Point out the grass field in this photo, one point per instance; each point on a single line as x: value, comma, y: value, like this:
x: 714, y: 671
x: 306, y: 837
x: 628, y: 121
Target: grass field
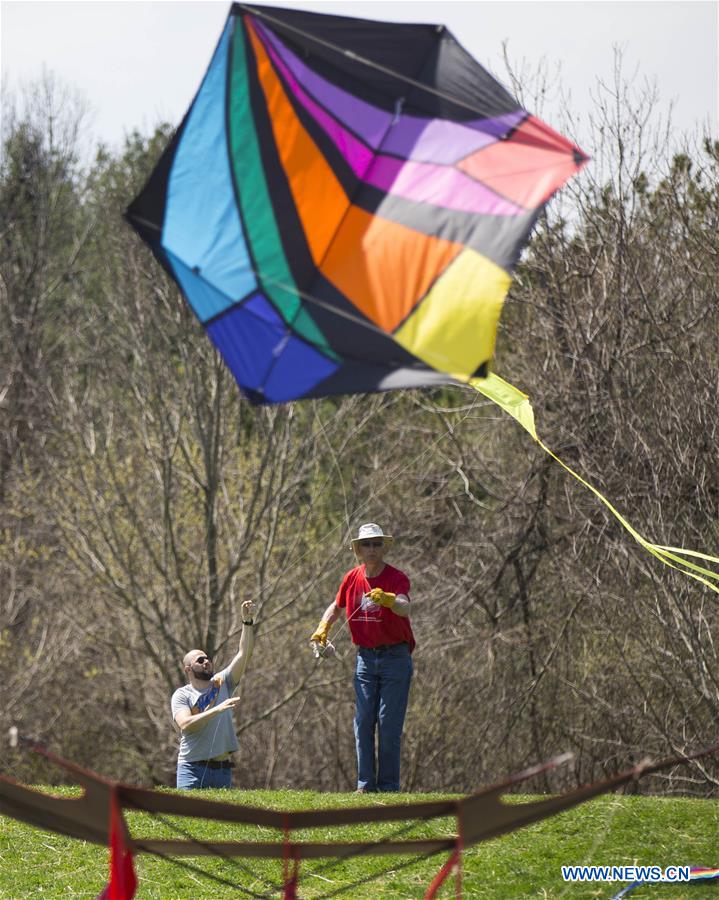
x: 610, y: 830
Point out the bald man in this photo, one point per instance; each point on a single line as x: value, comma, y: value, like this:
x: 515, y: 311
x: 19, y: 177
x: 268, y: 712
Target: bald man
x: 202, y: 711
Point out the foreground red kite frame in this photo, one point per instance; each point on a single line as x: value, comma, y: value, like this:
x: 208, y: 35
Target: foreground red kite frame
x: 97, y: 817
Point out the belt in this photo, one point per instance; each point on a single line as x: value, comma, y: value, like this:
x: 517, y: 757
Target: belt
x: 214, y: 763
x: 380, y: 648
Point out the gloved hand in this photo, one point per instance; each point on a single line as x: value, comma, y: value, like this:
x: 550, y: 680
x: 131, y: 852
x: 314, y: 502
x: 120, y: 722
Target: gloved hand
x: 320, y: 635
x: 382, y: 598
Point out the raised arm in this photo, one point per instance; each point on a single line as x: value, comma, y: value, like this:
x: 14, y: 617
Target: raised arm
x: 247, y: 640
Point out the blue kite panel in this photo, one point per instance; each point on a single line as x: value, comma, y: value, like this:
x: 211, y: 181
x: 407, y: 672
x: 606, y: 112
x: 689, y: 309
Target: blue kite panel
x: 202, y: 225
x: 298, y: 369
x: 264, y: 356
x: 205, y: 300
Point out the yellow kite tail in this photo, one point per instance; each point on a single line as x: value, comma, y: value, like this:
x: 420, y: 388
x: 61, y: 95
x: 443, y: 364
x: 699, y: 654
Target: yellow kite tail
x: 518, y: 405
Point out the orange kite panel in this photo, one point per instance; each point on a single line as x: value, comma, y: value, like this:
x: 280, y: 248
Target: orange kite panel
x: 382, y: 267
x: 319, y: 197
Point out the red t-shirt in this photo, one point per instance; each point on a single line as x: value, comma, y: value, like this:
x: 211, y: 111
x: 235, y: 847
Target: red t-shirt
x: 372, y: 625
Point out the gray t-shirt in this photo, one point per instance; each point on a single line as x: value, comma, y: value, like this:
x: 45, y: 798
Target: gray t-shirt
x: 217, y: 735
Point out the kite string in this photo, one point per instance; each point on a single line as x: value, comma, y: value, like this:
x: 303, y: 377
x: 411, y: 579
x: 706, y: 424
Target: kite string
x: 214, y: 735
x: 397, y: 867
x: 288, y: 569
x: 358, y: 607
x: 318, y: 544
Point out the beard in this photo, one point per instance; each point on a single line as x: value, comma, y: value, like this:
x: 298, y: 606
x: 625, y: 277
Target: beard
x: 203, y: 674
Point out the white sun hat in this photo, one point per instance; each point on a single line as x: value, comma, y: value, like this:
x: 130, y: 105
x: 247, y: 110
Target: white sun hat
x: 369, y: 531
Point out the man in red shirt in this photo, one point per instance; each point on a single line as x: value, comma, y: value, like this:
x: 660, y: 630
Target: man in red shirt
x: 375, y: 597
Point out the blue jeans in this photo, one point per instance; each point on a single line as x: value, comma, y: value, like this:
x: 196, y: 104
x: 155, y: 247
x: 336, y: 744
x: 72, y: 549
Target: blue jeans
x: 382, y: 679
x: 192, y: 775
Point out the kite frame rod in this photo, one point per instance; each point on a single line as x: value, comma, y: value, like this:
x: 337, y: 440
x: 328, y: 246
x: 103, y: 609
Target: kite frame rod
x: 298, y: 849
x: 480, y: 816
x: 255, y: 11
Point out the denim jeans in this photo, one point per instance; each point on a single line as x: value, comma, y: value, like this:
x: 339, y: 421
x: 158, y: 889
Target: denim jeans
x: 382, y: 679
x: 192, y: 775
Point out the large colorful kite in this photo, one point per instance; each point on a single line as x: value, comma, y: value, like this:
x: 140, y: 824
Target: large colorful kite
x: 342, y: 207
x: 344, y: 202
